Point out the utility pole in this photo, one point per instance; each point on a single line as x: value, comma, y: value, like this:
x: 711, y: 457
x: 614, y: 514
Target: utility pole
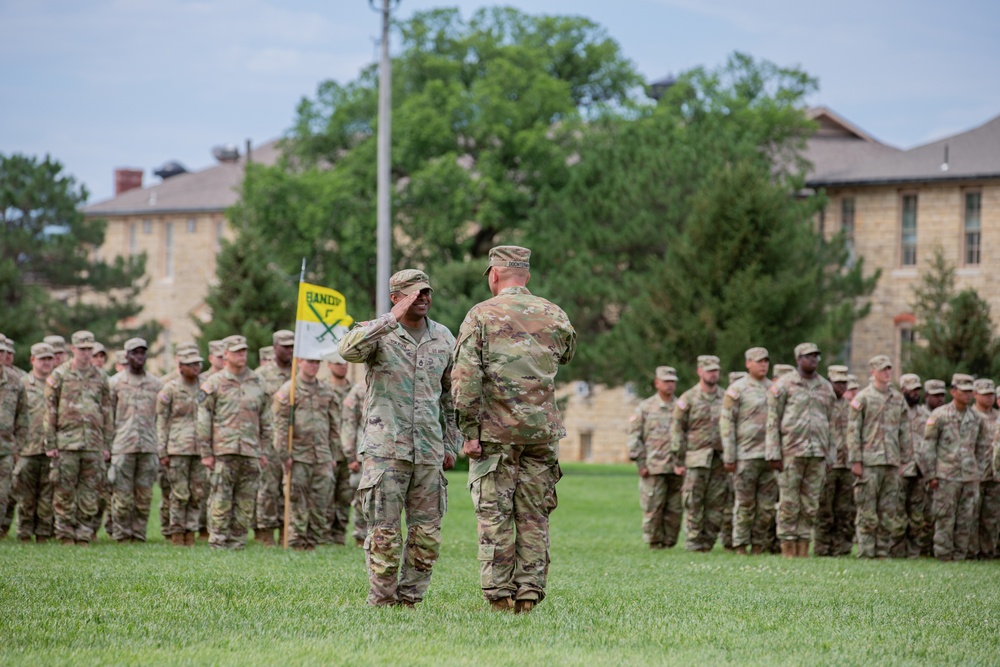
x: 383, y: 259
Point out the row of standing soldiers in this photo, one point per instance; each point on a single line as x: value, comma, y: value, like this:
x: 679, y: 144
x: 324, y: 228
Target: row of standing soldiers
x: 77, y: 445
x: 772, y: 464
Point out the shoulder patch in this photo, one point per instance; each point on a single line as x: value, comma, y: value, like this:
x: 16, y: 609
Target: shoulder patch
x: 203, y: 392
x: 931, y: 421
x: 633, y: 418
x: 281, y: 396
x: 51, y: 381
x: 775, y: 389
x: 163, y: 397
x: 732, y: 393
x: 682, y: 404
x: 855, y: 404
x: 206, y: 388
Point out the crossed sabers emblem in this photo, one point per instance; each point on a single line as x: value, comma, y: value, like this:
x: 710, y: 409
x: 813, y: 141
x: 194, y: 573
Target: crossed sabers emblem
x: 327, y: 328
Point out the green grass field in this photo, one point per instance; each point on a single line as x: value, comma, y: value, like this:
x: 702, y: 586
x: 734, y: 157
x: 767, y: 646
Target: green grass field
x: 611, y: 601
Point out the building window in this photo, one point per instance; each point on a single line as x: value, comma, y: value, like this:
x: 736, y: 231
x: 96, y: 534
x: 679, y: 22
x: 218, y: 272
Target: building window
x: 908, y: 238
x: 907, y: 337
x: 847, y: 226
x: 973, y: 228
x: 192, y: 225
x: 133, y: 242
x: 168, y: 250
x: 586, y: 446
x: 147, y: 226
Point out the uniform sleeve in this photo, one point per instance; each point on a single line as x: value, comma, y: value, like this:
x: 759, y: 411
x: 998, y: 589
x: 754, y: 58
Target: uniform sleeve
x: 855, y: 425
x: 206, y: 418
x: 108, y: 406
x: 280, y: 411
x: 334, y: 415
x: 467, y: 378
x: 21, y: 418
x: 728, y: 416
x: 996, y: 450
x: 932, y: 431
x: 679, y: 439
x: 53, y: 387
x: 983, y: 446
x: 570, y: 342
x: 636, y: 445
x: 267, y: 430
x: 905, y: 437
x: 361, y: 342
x: 776, y: 398
x: 164, y: 406
x: 453, y: 439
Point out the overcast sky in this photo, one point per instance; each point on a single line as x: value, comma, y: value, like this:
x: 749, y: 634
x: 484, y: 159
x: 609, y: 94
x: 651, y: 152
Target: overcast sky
x: 109, y: 83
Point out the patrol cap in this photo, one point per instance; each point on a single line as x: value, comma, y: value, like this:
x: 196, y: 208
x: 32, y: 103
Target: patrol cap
x: 266, y: 353
x: 58, y: 343
x: 100, y: 349
x: 934, y: 387
x: 3, y: 344
x: 83, y: 339
x: 756, y: 354
x: 283, y: 337
x: 879, y: 362
x: 984, y: 386
x: 10, y: 343
x: 802, y: 349
x: 781, y: 369
x: 234, y: 343
x: 185, y: 347
x: 216, y: 348
x: 510, y: 256
x: 666, y: 373
x: 42, y: 351
x: 120, y: 357
x: 736, y: 375
x: 837, y: 373
x: 962, y: 382
x: 409, y: 281
x: 852, y: 382
x: 135, y: 344
x: 189, y: 357
x: 708, y: 362
x: 334, y: 358
x: 909, y: 382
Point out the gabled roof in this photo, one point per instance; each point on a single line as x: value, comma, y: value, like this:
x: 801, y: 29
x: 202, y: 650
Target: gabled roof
x: 839, y: 145
x: 974, y: 154
x: 213, y: 189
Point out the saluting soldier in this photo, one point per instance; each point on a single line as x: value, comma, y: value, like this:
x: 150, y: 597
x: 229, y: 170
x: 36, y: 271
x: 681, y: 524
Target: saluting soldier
x: 270, y: 494
x: 743, y: 426
x: 177, y: 448
x: 649, y: 441
x: 310, y: 464
x: 234, y: 438
x: 697, y: 452
x: 799, y: 412
x: 32, y: 476
x: 410, y: 435
x: 78, y: 434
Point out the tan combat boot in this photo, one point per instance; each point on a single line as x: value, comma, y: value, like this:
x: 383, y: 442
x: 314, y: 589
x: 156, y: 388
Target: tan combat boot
x: 503, y: 604
x: 741, y: 550
x: 788, y: 549
x: 189, y: 538
x: 177, y: 539
x: 523, y: 606
x: 266, y: 537
x: 756, y: 550
x: 67, y: 541
x: 41, y: 539
x: 802, y: 549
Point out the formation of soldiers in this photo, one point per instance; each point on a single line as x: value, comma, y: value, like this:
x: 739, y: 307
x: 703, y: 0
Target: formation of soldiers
x: 79, y: 448
x: 220, y: 443
x: 771, y: 465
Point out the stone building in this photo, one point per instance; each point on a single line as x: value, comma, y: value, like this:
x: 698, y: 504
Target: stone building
x: 179, y: 223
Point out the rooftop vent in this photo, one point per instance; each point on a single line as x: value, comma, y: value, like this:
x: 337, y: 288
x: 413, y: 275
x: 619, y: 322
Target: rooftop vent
x: 170, y: 169
x: 227, y: 153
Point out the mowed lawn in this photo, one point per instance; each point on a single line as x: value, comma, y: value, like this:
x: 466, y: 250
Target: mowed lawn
x: 611, y: 601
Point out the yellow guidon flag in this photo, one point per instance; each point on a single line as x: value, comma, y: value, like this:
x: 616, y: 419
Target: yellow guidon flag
x: 321, y: 320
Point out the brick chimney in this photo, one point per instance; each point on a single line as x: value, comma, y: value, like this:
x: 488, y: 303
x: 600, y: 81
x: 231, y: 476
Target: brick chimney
x: 127, y: 179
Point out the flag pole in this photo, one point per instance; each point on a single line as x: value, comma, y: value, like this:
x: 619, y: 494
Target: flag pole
x: 291, y: 425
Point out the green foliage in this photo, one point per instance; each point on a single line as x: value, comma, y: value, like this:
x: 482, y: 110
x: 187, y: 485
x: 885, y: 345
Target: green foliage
x: 611, y: 601
x: 51, y: 280
x: 955, y: 328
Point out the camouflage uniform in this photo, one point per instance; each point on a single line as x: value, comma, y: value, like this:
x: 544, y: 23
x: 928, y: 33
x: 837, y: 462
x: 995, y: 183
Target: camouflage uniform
x: 234, y: 426
x: 177, y: 439
x: 33, y: 485
x: 314, y: 441
x: 338, y: 510
x: 912, y: 505
x: 270, y: 507
x: 835, y: 515
x: 878, y: 430
x: 13, y: 431
x: 509, y: 350
x: 352, y: 428
x: 80, y: 425
x: 951, y: 440
x: 986, y: 521
x: 163, y: 474
x: 649, y: 440
x: 743, y: 427
x: 409, y: 426
x: 134, y: 463
x: 698, y: 444
x: 799, y: 413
